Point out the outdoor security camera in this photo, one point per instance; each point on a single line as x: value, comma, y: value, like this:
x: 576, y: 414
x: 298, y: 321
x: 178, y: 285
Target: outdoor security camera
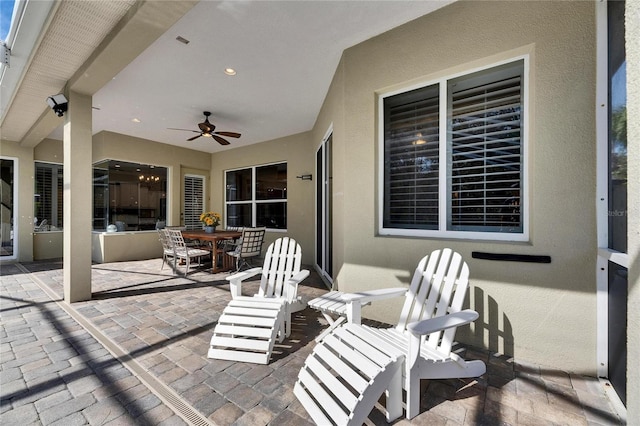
x: 58, y: 103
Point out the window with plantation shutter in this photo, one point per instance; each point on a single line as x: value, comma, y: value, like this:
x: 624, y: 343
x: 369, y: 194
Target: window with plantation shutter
x: 453, y: 157
x: 411, y: 159
x: 193, y: 201
x: 48, y: 196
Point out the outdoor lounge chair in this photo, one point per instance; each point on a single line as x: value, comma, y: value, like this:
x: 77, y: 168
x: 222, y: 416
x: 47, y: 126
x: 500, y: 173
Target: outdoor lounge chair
x: 331, y: 387
x: 249, y: 325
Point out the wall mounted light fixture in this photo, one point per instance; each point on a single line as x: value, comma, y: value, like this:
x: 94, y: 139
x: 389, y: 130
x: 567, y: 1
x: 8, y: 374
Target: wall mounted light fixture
x: 58, y: 103
x: 305, y: 177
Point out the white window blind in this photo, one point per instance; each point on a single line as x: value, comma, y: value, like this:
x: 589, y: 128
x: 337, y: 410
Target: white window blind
x: 470, y: 183
x: 193, y: 201
x: 486, y: 155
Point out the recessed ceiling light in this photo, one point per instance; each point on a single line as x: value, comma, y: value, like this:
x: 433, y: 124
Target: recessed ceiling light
x: 229, y: 71
x: 135, y: 120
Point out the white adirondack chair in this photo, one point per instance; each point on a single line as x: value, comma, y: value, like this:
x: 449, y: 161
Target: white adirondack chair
x: 423, y: 339
x: 249, y: 325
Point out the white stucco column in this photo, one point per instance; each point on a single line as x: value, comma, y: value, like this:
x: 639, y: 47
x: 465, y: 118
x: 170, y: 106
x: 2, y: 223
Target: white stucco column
x: 78, y: 189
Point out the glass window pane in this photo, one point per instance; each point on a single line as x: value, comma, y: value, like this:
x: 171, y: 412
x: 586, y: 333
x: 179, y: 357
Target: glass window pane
x: 485, y: 131
x: 239, y: 215
x: 271, y: 182
x: 617, y: 128
x: 136, y: 195
x: 100, y: 196
x: 411, y: 165
x: 48, y: 192
x: 239, y: 185
x: 272, y: 215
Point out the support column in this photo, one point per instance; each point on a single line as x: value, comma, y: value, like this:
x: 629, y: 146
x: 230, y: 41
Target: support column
x: 78, y: 190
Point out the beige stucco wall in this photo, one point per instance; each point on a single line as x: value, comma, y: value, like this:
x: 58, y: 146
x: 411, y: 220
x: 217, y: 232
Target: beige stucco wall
x: 106, y: 145
x: 297, y: 152
x: 633, y: 192
x: 539, y: 312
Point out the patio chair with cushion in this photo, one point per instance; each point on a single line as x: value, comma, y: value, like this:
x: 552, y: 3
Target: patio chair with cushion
x: 250, y: 246
x: 331, y: 385
x: 249, y: 325
x: 184, y: 252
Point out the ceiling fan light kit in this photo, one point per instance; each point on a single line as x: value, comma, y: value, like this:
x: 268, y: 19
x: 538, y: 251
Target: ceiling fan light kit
x: 208, y: 131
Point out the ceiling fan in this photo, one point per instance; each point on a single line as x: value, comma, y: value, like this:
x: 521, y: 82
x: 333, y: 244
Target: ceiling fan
x: 207, y: 130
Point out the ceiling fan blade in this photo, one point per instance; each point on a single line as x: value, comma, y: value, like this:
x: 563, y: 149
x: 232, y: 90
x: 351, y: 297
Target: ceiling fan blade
x: 220, y: 140
x: 229, y: 134
x: 195, y: 137
x: 186, y: 130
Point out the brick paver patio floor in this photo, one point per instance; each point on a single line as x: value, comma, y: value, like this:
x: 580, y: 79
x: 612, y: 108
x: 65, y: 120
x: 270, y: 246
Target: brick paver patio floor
x: 137, y: 354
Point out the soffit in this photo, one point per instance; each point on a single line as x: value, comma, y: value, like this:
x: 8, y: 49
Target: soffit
x: 74, y: 33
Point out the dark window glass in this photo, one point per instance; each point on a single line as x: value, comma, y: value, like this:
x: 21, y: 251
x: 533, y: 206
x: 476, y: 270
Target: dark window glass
x: 271, y: 182
x: 239, y: 185
x: 244, y: 195
x: 617, y: 128
x: 272, y: 215
x: 136, y: 195
x: 239, y: 215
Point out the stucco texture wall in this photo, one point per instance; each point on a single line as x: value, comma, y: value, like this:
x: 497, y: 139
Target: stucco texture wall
x: 632, y: 24
x: 545, y: 313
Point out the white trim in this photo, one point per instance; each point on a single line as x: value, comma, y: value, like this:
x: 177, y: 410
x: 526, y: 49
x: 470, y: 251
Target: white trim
x: 443, y: 177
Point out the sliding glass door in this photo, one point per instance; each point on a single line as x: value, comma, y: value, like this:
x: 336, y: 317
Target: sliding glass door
x: 324, y: 218
x: 8, y: 185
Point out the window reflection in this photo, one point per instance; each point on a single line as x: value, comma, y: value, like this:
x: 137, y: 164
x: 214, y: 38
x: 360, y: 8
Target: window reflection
x: 617, y: 128
x: 129, y: 196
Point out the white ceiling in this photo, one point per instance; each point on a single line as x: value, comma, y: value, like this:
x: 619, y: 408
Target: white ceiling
x: 285, y: 54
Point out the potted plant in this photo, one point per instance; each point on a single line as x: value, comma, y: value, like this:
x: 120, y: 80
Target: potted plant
x: 210, y: 220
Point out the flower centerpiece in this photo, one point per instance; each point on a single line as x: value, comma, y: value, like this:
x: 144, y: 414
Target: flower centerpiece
x: 210, y: 220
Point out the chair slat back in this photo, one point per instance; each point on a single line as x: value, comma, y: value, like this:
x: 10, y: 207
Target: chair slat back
x: 438, y: 287
x: 252, y: 240
x: 282, y: 261
x: 176, y: 238
x: 165, y: 240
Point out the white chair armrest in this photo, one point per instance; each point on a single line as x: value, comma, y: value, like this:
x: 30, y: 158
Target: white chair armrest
x: 235, y: 280
x: 428, y: 326
x: 292, y: 284
x: 355, y: 301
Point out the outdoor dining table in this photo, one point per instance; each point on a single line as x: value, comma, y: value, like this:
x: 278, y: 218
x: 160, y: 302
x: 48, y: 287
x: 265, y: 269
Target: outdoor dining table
x: 213, y: 238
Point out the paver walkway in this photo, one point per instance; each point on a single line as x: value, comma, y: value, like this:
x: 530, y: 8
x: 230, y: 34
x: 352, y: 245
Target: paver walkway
x: 158, y: 325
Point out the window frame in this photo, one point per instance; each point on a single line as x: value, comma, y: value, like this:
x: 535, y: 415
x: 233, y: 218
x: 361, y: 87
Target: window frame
x: 444, y: 159
x: 253, y: 202
x: 58, y: 223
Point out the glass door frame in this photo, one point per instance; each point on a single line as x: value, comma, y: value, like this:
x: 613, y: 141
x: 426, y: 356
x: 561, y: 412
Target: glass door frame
x: 604, y: 253
x: 323, y: 260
